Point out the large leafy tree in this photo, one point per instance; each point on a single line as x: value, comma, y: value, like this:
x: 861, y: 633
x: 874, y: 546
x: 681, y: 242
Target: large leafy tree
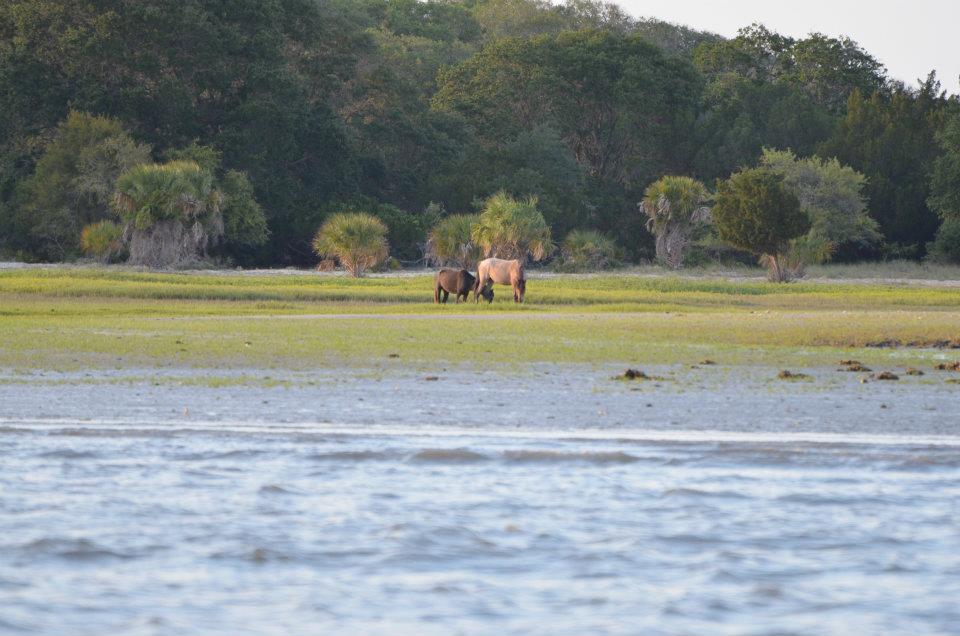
x: 944, y: 196
x: 828, y: 70
x: 742, y: 116
x: 623, y: 107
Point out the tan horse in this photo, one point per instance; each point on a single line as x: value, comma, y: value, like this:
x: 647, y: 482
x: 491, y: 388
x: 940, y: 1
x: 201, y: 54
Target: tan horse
x: 497, y: 270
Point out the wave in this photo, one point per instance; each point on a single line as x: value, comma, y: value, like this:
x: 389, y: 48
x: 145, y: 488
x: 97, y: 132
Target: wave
x: 592, y: 457
x: 207, y: 455
x: 72, y: 549
x: 448, y: 456
x: 69, y: 454
x: 696, y: 492
x: 350, y: 456
x: 255, y: 555
x: 274, y: 489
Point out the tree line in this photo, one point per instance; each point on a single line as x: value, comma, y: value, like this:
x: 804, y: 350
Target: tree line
x: 237, y: 128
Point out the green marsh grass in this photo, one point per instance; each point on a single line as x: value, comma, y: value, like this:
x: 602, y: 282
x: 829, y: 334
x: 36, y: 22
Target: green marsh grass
x: 105, y: 318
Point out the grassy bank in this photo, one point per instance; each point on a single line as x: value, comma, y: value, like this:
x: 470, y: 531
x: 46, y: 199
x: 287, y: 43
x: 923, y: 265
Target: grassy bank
x: 70, y: 319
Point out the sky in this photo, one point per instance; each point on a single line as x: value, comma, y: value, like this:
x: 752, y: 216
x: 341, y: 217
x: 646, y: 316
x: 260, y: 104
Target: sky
x: 910, y: 38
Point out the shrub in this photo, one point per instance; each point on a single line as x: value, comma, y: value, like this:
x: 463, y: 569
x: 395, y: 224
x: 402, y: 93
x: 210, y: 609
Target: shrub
x: 357, y: 240
x: 450, y: 242
x: 675, y: 207
x: 512, y: 228
x: 588, y: 250
x: 945, y: 248
x: 755, y: 212
x: 101, y: 240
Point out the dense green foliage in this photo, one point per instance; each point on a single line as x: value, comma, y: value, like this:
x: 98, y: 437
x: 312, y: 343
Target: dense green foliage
x: 945, y: 183
x: 755, y: 211
x: 301, y: 109
x: 891, y: 140
x: 945, y: 247
x: 357, y: 240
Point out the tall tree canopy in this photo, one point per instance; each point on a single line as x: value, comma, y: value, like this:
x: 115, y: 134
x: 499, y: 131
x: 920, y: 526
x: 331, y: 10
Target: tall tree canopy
x: 314, y: 106
x: 622, y: 106
x: 892, y: 140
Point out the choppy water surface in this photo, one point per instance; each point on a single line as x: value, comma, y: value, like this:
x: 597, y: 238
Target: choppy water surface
x: 177, y: 526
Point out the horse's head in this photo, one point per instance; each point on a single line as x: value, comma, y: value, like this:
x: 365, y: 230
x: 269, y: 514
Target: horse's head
x: 487, y: 294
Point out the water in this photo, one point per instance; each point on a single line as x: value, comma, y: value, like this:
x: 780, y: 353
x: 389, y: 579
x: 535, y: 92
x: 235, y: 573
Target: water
x: 155, y: 521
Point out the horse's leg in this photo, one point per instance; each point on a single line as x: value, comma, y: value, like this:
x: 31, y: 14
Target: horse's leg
x: 446, y: 295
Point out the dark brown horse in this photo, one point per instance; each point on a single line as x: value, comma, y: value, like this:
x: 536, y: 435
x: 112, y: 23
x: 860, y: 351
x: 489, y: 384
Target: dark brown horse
x: 497, y: 270
x: 457, y: 282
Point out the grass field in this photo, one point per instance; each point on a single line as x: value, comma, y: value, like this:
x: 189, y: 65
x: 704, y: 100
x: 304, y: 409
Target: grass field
x: 67, y: 318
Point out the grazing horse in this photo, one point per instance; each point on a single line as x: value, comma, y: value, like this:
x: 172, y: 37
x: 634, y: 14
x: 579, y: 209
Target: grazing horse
x: 457, y: 282
x: 497, y: 270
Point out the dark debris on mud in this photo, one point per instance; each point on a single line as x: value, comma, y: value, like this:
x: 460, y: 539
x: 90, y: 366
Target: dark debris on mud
x: 792, y: 375
x: 637, y: 374
x: 854, y: 366
x: 893, y: 343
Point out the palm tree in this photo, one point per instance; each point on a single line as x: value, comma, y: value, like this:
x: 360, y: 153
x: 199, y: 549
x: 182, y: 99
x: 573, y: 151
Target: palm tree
x: 675, y: 206
x: 358, y: 241
x: 449, y: 241
x: 171, y: 212
x: 512, y: 228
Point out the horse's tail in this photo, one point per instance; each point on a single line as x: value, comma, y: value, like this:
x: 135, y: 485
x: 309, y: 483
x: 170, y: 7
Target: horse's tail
x: 436, y: 289
x: 476, y: 283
